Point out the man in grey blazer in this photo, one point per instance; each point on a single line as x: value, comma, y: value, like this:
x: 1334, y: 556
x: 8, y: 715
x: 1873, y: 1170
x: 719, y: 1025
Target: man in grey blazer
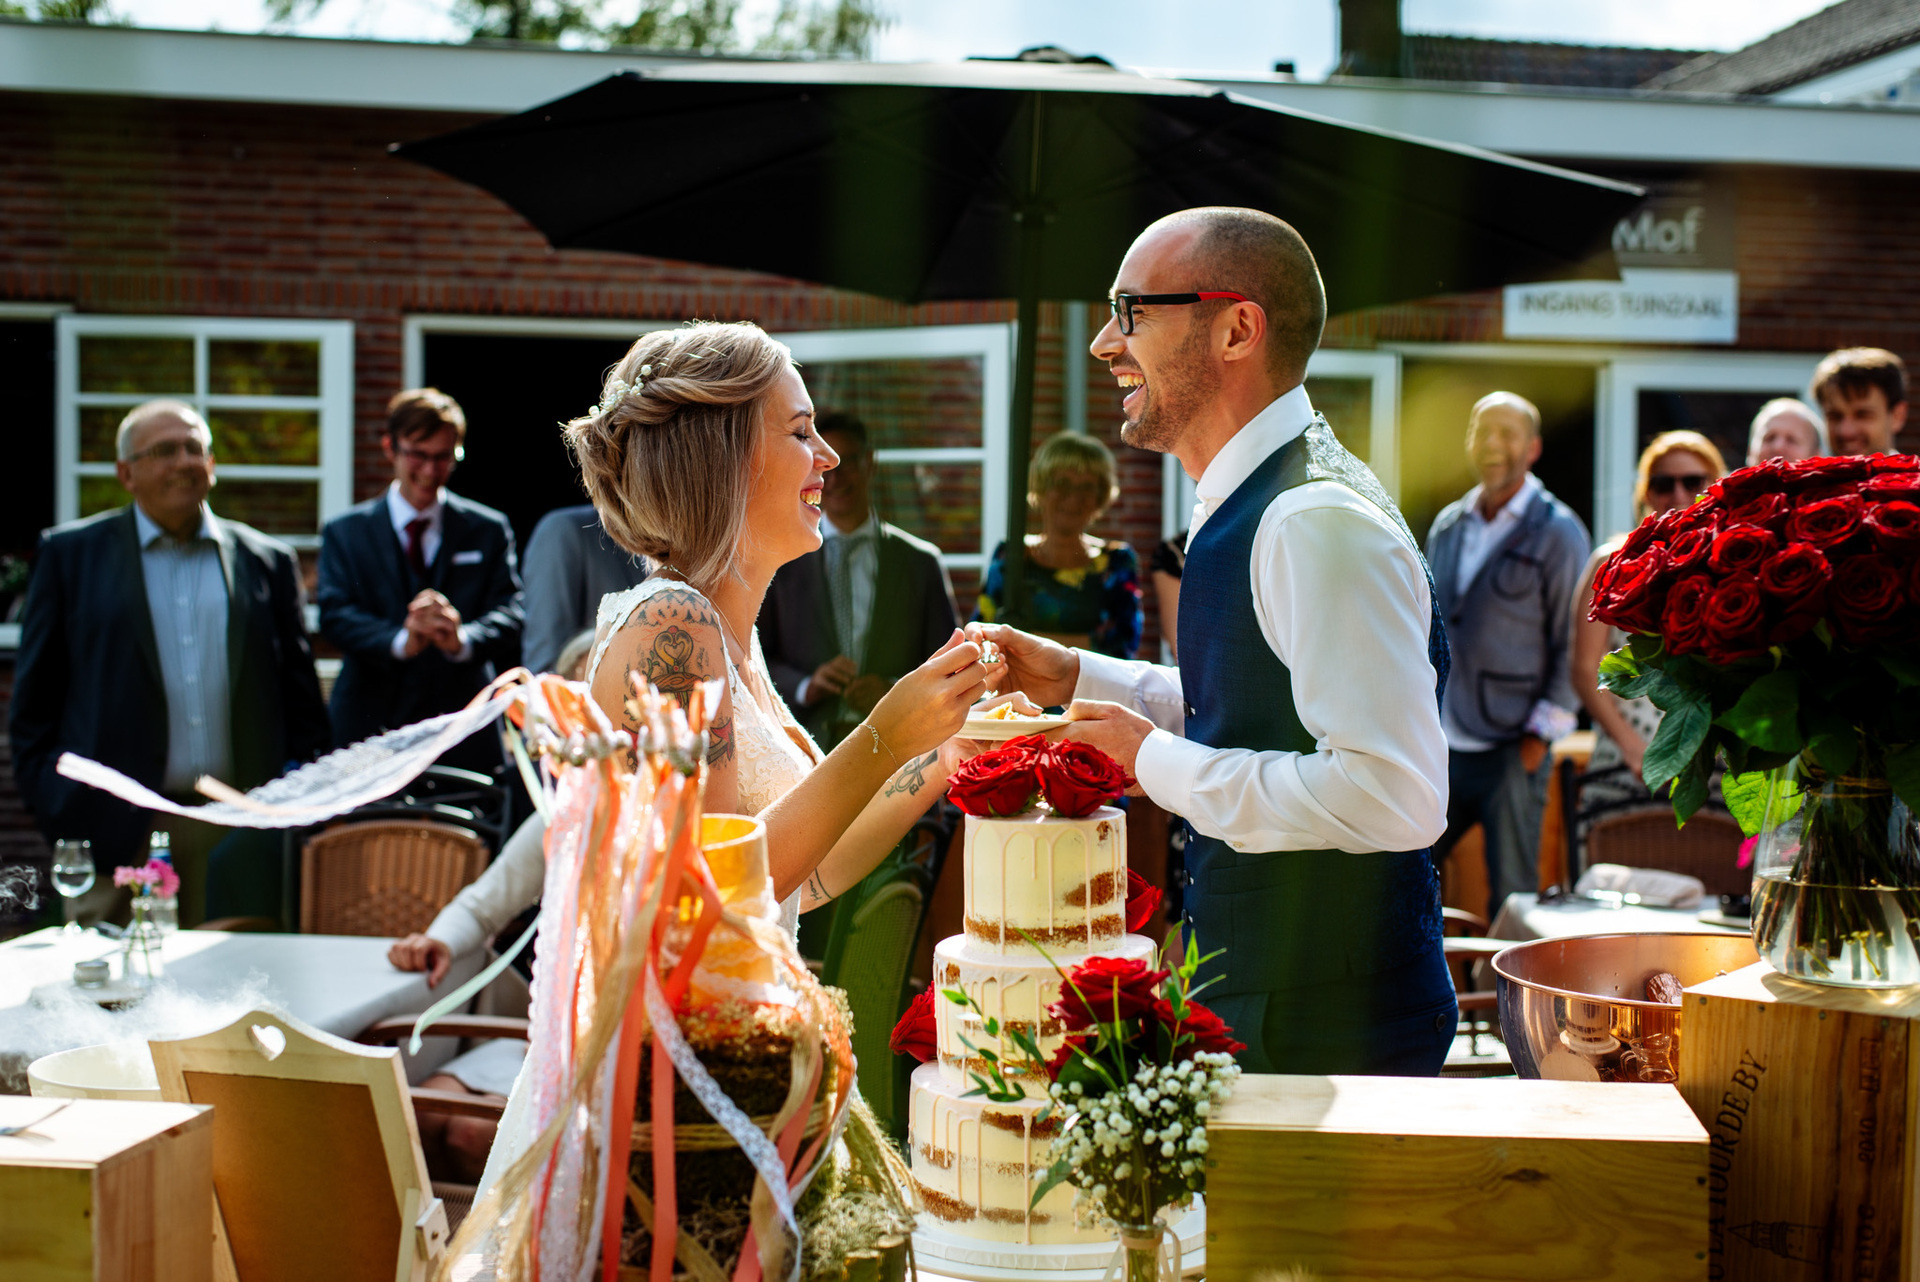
x: 1505, y: 558
x: 571, y: 562
x: 844, y: 622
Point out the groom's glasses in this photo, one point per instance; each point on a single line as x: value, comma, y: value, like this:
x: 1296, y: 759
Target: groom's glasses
x: 1123, y: 304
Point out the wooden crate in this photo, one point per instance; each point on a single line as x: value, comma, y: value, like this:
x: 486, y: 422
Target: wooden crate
x: 1808, y: 1097
x: 1489, y: 1178
x: 106, y: 1191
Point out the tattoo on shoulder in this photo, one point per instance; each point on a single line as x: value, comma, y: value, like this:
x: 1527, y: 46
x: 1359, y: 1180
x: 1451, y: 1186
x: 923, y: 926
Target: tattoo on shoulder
x: 720, y: 741
x: 817, y: 890
x: 912, y: 777
x: 679, y: 655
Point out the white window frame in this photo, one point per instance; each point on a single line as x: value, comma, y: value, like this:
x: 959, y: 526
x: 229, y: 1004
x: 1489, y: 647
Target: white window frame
x: 1380, y: 368
x: 1616, y: 434
x: 992, y: 344
x: 334, y: 469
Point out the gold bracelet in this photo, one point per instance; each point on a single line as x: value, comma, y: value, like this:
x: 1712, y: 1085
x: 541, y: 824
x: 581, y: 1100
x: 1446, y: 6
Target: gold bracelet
x: 879, y: 743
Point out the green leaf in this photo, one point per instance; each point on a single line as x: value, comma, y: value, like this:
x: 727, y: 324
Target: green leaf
x: 1767, y: 714
x: 992, y: 1027
x: 1056, y: 1176
x: 1901, y: 668
x: 957, y: 996
x: 1746, y: 797
x: 1619, y: 661
x: 1674, y: 745
x: 1644, y: 646
x: 1903, y: 772
x: 1690, y: 789
x: 1836, y: 750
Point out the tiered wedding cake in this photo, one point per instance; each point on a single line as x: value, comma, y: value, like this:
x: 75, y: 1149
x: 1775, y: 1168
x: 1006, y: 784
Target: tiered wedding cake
x: 1063, y: 882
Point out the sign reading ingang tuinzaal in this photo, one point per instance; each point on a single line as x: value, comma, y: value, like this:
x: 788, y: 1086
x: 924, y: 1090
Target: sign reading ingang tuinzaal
x: 1647, y: 305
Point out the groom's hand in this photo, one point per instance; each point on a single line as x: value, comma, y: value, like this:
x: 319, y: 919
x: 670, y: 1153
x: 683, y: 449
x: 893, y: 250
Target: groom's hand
x: 1115, y: 730
x: 1044, y: 670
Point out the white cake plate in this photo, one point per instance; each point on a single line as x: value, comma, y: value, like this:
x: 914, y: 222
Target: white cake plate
x: 940, y: 1251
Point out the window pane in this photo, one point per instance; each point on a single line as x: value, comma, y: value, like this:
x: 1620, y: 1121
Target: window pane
x: 239, y: 367
x: 275, y: 507
x: 99, y: 428
x: 289, y: 438
x: 1348, y: 405
x: 906, y: 404
x: 99, y: 493
x: 940, y: 502
x: 148, y: 366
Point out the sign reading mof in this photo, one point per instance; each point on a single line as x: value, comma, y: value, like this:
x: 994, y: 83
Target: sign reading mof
x: 1676, y: 255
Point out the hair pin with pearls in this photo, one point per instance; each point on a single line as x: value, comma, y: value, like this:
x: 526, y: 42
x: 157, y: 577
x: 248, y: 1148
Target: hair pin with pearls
x: 619, y: 389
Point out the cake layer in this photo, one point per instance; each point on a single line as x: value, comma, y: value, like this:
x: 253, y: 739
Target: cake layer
x: 1014, y: 990
x: 976, y: 1164
x: 1063, y: 882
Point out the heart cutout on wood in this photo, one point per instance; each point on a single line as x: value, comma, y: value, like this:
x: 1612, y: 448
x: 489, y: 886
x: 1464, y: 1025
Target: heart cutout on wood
x: 268, y: 1040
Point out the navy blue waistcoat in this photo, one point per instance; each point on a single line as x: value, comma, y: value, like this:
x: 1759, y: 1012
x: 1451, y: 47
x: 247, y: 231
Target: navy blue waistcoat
x: 1285, y: 918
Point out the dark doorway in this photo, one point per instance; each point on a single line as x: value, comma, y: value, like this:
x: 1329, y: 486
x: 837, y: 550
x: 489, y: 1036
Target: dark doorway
x: 516, y: 390
x: 26, y: 371
x: 1722, y: 417
x: 1435, y: 398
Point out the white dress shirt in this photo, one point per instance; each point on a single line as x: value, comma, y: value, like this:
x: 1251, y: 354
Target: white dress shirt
x: 1479, y: 536
x: 403, y: 514
x: 187, y: 600
x: 863, y: 566
x: 1343, y: 602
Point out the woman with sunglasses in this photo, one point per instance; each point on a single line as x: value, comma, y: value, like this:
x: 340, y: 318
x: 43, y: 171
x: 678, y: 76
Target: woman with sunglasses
x: 1674, y: 469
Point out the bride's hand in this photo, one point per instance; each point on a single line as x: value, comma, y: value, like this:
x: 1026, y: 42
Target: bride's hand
x: 929, y: 705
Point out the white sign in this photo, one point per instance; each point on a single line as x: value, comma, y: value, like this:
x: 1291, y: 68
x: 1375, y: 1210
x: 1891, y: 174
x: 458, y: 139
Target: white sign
x: 1646, y: 305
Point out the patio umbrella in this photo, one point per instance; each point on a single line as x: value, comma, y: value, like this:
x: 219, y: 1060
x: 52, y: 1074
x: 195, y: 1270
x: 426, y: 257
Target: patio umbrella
x: 1009, y: 180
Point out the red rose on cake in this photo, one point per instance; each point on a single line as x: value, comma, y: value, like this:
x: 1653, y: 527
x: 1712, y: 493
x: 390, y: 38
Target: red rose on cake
x: 1102, y: 990
x: 917, y: 1032
x: 1207, y: 1030
x: 1143, y: 900
x: 997, y: 783
x: 1077, y: 778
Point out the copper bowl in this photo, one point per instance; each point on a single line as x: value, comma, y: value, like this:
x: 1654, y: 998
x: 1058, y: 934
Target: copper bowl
x: 1576, y: 1008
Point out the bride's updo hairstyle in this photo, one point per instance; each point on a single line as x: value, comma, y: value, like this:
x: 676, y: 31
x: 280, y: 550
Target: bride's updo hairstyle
x: 667, y: 455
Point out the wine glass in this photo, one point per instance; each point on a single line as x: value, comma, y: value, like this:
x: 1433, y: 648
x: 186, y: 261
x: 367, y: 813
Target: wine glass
x: 72, y: 875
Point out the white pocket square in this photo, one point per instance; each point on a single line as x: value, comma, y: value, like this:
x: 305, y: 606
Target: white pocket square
x: 468, y: 558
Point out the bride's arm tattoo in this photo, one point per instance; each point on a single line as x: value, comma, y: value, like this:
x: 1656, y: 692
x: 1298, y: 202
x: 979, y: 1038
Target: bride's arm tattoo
x: 680, y: 655
x: 911, y: 777
x: 817, y: 892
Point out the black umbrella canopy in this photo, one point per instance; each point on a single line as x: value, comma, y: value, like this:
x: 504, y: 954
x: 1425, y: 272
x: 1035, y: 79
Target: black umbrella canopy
x: 1008, y: 180
x: 915, y: 183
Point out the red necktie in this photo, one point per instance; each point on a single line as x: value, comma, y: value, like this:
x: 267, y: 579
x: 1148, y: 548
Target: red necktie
x: 416, y: 539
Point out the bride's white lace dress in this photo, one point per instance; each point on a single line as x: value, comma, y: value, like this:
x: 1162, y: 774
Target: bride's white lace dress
x: 772, y: 754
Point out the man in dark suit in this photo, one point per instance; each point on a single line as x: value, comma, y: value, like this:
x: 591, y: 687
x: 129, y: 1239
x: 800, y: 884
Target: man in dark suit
x: 419, y: 587
x: 167, y: 643
x: 843, y: 623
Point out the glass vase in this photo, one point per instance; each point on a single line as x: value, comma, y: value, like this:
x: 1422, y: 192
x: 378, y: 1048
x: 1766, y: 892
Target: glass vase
x: 140, y: 961
x: 1836, y: 889
x: 1141, y: 1246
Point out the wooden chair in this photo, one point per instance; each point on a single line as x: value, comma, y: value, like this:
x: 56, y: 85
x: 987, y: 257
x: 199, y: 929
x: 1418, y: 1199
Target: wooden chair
x: 386, y: 877
x: 1707, y: 848
x: 318, y: 1174
x: 1465, y: 944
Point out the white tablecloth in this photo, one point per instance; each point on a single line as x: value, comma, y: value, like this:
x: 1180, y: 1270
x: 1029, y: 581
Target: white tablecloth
x: 337, y: 983
x: 1523, y: 917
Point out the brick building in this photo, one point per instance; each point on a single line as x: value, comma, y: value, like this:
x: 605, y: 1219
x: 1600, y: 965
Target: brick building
x: 217, y: 217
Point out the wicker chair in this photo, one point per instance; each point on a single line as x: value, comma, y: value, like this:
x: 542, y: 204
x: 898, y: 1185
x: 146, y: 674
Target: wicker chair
x: 384, y: 877
x: 1707, y: 848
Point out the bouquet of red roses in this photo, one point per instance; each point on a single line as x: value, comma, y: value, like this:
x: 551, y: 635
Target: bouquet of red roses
x: 1776, y: 623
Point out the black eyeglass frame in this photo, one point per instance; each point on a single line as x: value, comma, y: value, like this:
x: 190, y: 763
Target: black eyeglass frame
x: 1123, y: 304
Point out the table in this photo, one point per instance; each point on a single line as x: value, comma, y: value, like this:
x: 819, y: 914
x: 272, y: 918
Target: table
x: 337, y: 983
x: 1524, y: 917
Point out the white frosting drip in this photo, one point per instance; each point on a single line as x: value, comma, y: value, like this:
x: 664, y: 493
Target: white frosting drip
x: 1063, y: 881
x: 1016, y: 989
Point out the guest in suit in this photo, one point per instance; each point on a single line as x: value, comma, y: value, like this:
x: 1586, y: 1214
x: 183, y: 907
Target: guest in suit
x: 419, y: 587
x: 571, y: 563
x: 167, y: 643
x: 841, y: 624
x: 1506, y: 558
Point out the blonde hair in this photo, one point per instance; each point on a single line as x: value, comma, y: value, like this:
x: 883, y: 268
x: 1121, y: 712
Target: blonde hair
x: 668, y: 458
x: 1071, y: 454
x: 1675, y: 443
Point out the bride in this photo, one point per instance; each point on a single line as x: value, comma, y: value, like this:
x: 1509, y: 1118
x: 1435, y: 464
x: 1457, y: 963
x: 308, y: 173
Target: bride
x: 702, y: 456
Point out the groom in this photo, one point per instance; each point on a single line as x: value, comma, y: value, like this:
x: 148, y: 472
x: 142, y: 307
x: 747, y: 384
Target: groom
x: 1300, y: 736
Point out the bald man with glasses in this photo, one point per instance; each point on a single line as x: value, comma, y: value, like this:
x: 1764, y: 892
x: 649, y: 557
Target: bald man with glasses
x: 167, y: 643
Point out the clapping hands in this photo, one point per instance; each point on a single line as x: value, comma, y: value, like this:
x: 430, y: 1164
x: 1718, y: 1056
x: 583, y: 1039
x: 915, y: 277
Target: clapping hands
x: 432, y: 622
